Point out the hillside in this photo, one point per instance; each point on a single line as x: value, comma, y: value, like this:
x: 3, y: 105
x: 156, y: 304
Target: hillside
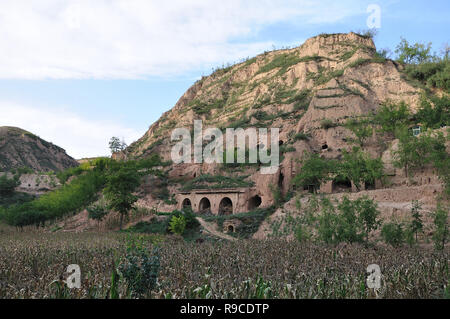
x: 328, y: 77
x: 19, y: 148
x: 309, y: 92
x: 322, y: 96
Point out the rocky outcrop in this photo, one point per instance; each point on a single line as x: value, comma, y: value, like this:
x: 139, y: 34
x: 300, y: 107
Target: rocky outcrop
x: 19, y: 148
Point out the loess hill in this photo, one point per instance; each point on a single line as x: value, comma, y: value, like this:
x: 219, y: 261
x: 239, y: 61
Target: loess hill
x: 19, y: 148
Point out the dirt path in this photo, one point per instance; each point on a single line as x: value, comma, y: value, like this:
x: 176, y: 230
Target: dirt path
x: 210, y: 228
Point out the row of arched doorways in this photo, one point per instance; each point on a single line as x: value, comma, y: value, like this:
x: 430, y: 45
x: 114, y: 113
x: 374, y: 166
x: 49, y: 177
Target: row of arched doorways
x: 204, y: 206
x: 225, y: 205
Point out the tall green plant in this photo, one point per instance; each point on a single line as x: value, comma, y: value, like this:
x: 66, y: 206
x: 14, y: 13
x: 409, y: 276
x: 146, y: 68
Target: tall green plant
x: 416, y: 224
x: 314, y: 171
x: 360, y: 168
x: 390, y: 116
x: 121, y: 182
x: 177, y: 225
x: 441, y: 232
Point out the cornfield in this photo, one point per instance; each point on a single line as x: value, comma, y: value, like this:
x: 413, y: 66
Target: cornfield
x: 32, y: 265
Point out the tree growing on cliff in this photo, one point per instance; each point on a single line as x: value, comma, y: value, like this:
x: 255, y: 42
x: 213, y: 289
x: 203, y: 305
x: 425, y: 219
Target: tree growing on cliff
x: 416, y: 152
x: 358, y: 167
x: 392, y: 116
x: 413, y: 53
x: 361, y: 128
x: 315, y: 171
x: 116, y: 145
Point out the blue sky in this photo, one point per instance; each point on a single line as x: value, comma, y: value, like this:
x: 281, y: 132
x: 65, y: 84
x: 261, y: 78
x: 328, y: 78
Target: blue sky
x: 78, y: 72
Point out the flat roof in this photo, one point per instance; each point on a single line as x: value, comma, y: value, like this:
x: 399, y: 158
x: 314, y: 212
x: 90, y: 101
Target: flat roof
x: 215, y: 191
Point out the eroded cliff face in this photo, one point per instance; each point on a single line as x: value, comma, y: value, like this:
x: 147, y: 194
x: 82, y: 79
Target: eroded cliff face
x: 19, y: 148
x: 330, y: 78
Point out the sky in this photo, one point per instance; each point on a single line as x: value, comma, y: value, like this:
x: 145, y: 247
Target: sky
x: 78, y: 72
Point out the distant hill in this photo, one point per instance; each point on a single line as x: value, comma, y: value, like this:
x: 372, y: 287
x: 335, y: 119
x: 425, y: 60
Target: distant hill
x: 19, y: 148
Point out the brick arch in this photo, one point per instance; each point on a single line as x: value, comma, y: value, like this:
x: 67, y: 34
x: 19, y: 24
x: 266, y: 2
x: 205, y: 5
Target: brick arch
x: 226, y: 206
x: 186, y: 203
x: 199, y: 201
x: 254, y: 202
x: 204, y: 205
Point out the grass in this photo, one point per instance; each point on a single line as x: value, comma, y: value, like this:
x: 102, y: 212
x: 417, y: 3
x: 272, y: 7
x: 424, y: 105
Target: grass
x: 154, y: 227
x: 301, y: 137
x: 287, y: 149
x: 285, y: 61
x: 362, y: 61
x: 327, y: 124
x: 364, y: 85
x: 324, y: 77
x: 201, y: 107
x: 250, y: 221
x: 301, y: 100
x: 216, y: 182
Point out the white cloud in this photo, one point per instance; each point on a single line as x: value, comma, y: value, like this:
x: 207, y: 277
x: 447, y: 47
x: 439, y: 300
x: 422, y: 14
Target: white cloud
x: 79, y: 136
x: 137, y: 38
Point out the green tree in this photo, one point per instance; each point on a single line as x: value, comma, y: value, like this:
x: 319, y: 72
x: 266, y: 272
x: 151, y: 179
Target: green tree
x: 177, y: 225
x: 315, y: 171
x: 7, y: 185
x: 121, y: 182
x: 441, y: 159
x: 360, y: 168
x: 440, y: 235
x: 405, y: 156
x: 354, y: 221
x: 415, y: 152
x: 348, y: 227
x: 361, y: 128
x: 391, y: 116
x: 431, y: 70
x: 434, y: 112
x: 416, y: 223
x: 413, y: 54
x: 393, y: 233
x: 97, y: 212
x: 116, y: 145
x: 276, y: 194
x: 367, y: 212
x: 327, y: 230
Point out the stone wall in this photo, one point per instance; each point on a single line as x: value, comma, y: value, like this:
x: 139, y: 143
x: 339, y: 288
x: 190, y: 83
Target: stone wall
x: 218, y: 201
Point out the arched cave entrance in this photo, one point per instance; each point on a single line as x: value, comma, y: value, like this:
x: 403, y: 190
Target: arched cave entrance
x: 309, y: 188
x: 204, y: 207
x: 341, y: 185
x: 230, y: 229
x: 370, y: 185
x: 280, y: 181
x: 186, y: 203
x: 226, y: 206
x: 325, y: 146
x: 254, y: 202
